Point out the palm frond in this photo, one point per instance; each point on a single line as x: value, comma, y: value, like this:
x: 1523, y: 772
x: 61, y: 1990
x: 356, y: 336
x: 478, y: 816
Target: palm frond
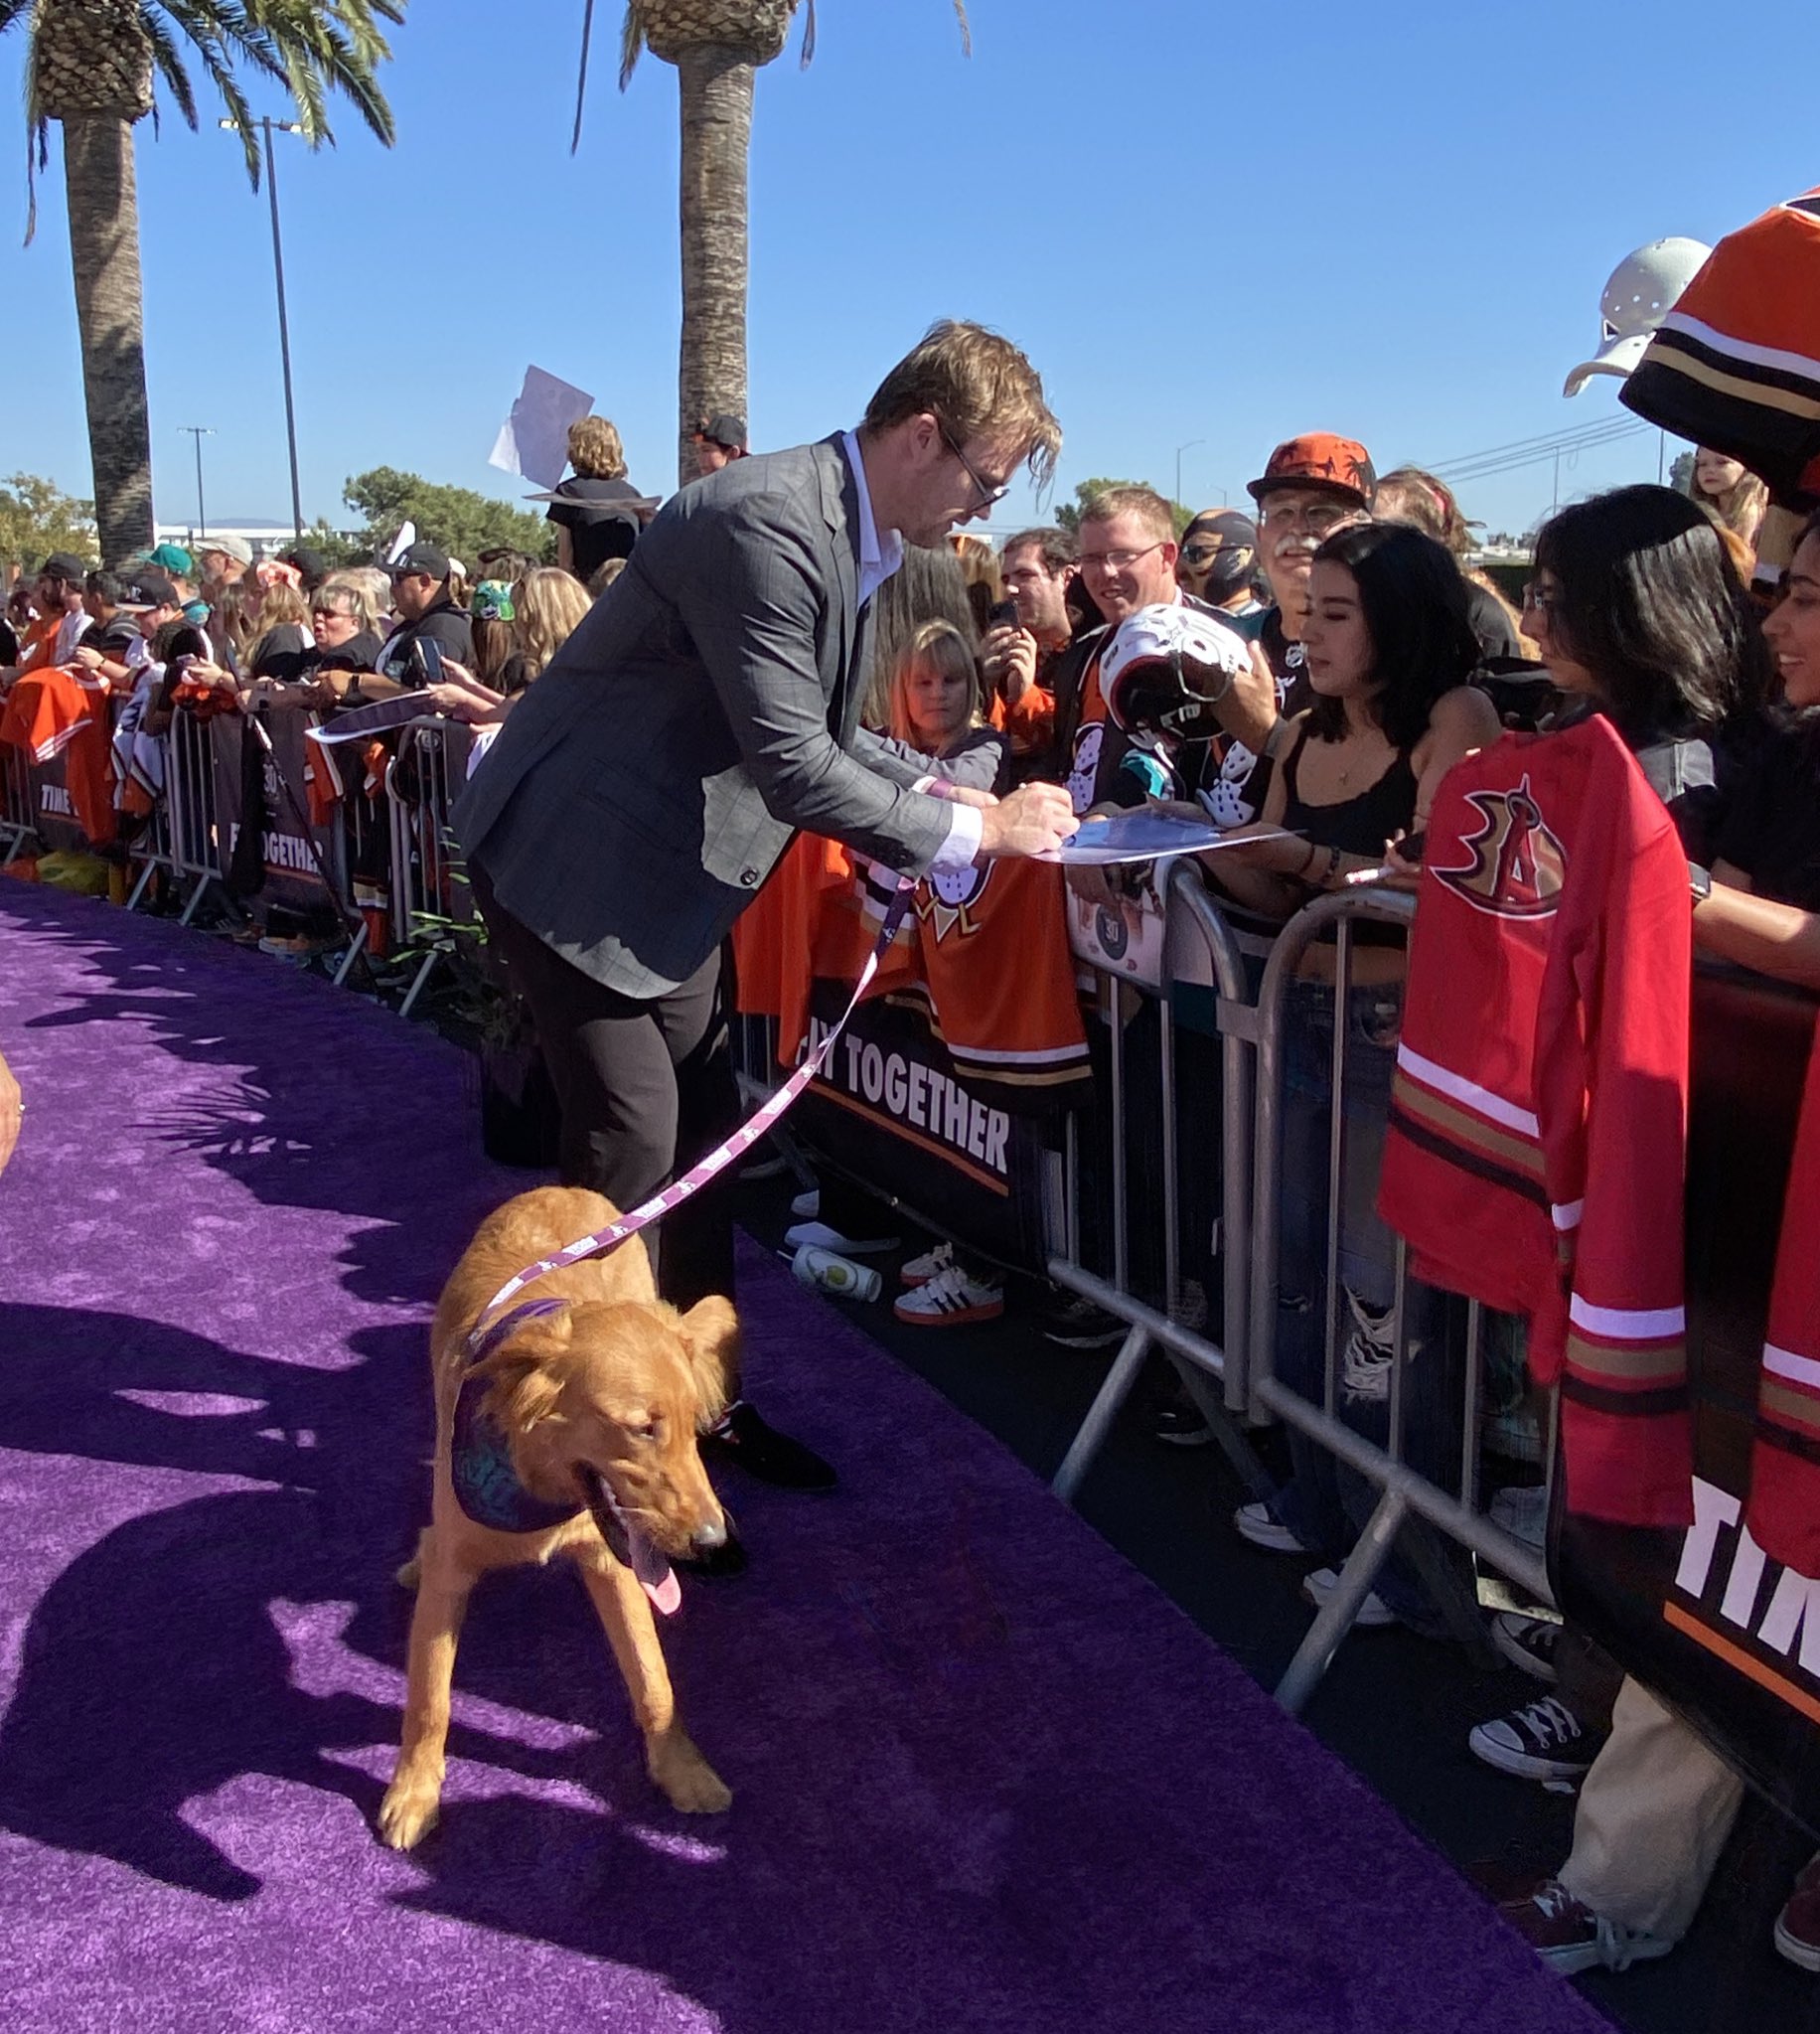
x: 967, y: 28
x: 581, y: 72
x: 169, y: 61
x: 631, y: 46
x: 808, y: 38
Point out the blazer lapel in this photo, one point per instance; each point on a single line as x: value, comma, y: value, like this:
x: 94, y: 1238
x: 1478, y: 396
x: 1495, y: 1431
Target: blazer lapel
x: 840, y: 508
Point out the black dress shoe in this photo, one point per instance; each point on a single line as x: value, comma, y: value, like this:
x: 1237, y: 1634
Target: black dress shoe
x: 742, y: 1438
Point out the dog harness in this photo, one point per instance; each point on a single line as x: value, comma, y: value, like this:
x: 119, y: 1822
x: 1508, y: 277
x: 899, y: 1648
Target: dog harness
x: 487, y: 1486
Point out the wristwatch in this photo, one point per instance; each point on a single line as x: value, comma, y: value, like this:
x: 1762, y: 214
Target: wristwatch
x: 1698, y: 883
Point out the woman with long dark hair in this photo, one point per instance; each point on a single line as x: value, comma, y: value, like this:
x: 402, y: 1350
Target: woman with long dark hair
x: 1390, y: 648
x: 1640, y: 616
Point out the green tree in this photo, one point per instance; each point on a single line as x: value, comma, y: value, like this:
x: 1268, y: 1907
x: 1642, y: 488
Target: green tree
x: 38, y: 517
x: 1068, y: 514
x: 91, y: 66
x: 718, y: 48
x: 463, y: 521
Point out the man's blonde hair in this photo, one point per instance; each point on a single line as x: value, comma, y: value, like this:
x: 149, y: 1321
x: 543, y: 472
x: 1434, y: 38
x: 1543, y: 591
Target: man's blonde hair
x: 1142, y: 503
x: 980, y: 386
x: 595, y: 450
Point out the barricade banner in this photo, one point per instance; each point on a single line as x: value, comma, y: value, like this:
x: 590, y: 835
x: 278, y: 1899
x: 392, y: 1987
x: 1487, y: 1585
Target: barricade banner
x: 60, y: 723
x: 246, y: 776
x: 1702, y: 1616
x: 893, y: 1106
x: 1125, y: 938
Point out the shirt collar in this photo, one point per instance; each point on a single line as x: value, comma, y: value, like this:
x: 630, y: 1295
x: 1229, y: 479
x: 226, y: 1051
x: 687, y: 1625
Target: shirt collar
x: 880, y: 552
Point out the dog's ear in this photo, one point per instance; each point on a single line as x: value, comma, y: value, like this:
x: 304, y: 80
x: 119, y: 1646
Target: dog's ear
x: 524, y: 1384
x: 710, y: 1334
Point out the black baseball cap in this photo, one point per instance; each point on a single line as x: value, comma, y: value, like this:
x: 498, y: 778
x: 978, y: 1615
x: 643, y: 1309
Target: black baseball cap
x: 147, y: 591
x: 428, y: 559
x: 64, y: 565
x: 726, y: 429
x: 309, y: 561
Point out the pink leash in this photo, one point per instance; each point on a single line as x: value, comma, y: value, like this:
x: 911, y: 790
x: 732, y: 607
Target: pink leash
x: 716, y: 1161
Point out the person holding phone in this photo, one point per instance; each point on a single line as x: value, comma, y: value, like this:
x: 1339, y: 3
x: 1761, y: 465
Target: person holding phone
x: 429, y: 619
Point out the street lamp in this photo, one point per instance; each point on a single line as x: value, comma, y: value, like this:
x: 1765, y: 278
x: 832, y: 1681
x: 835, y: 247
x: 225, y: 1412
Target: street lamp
x: 1180, y: 450
x: 199, y: 431
x: 284, y: 326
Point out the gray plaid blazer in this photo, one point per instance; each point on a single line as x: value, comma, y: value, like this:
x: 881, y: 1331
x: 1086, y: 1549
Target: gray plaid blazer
x: 708, y: 706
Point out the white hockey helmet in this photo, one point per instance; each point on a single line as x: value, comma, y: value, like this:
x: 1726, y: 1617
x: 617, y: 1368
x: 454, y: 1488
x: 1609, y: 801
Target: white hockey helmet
x: 1167, y: 668
x: 1641, y: 292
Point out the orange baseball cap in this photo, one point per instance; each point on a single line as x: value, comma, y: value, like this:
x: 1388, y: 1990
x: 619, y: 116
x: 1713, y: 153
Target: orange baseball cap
x: 1319, y: 460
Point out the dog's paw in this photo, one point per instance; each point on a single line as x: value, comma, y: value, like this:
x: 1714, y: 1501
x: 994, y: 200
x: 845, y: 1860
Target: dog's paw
x: 409, y: 1813
x: 687, y: 1779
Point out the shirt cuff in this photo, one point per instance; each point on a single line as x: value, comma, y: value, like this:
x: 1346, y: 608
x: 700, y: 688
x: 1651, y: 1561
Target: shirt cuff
x: 966, y: 829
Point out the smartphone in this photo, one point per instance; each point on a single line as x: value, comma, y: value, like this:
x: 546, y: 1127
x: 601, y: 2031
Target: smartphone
x: 427, y: 661
x: 1003, y: 614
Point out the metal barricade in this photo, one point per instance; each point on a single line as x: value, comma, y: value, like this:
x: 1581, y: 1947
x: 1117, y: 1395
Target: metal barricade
x: 1213, y: 1374
x: 18, y: 819
x: 189, y: 803
x: 428, y: 770
x: 1406, y: 1497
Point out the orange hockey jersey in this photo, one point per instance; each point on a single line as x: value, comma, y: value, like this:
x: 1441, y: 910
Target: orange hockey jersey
x: 1538, y: 1132
x: 58, y: 712
x: 1735, y: 364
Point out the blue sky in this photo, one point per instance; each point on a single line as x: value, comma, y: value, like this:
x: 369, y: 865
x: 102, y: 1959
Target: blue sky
x: 1393, y: 221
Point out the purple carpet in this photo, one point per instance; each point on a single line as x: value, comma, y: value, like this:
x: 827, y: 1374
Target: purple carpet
x: 986, y: 1778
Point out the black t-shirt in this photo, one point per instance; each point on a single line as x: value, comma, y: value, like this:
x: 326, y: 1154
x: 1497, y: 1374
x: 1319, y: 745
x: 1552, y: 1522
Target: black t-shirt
x: 444, y: 625
x: 601, y: 522
x: 359, y: 653
x: 1491, y: 624
x: 1772, y: 827
x: 286, y: 654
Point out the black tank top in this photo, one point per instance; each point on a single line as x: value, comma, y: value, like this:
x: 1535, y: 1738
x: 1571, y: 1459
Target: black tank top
x: 1356, y: 826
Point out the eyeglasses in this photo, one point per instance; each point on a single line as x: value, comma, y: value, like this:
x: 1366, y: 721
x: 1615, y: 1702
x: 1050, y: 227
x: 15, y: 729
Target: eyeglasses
x: 1537, y: 599
x: 1198, y: 554
x: 984, y: 489
x: 1119, y: 560
x: 331, y: 614
x: 1319, y: 518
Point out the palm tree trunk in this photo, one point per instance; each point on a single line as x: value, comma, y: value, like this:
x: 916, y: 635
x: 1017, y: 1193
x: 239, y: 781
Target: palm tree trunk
x: 717, y: 95
x: 110, y: 312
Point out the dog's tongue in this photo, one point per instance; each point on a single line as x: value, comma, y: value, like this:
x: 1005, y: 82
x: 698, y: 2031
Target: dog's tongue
x: 656, y: 1576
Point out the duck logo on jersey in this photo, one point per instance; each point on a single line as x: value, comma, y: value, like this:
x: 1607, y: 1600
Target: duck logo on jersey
x: 1518, y: 863
x: 948, y: 897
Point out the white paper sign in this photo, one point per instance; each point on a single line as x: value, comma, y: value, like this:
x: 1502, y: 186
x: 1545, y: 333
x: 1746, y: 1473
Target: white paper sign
x: 534, y: 439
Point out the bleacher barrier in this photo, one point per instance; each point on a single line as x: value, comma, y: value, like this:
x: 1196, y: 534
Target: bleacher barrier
x: 426, y: 773
x: 18, y: 815
x: 188, y: 796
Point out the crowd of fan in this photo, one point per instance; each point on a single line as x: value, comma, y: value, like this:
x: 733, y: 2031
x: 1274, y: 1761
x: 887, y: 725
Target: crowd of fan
x: 1373, y: 656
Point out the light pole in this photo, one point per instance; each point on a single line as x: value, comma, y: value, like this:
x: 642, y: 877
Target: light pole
x: 1180, y: 450
x: 199, y: 431
x: 284, y: 326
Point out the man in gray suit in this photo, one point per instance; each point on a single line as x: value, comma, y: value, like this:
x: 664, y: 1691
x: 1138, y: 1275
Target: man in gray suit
x: 706, y: 710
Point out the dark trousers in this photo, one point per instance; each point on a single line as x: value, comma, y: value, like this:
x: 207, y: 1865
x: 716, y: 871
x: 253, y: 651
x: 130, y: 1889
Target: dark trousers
x: 647, y: 1089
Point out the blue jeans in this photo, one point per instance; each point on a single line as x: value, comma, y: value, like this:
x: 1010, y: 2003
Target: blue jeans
x: 1325, y: 1503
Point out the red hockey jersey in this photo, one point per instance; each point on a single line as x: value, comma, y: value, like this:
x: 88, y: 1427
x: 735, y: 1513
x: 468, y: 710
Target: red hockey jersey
x: 1783, y: 1511
x: 1538, y: 1133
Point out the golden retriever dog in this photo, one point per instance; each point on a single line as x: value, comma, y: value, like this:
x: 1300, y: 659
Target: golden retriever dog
x: 574, y: 1435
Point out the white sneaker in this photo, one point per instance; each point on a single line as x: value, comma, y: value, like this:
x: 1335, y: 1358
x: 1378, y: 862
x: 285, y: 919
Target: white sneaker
x: 821, y: 1237
x: 1258, y: 1525
x: 1374, y: 1612
x: 951, y: 1299
x: 806, y: 1206
x: 920, y: 1270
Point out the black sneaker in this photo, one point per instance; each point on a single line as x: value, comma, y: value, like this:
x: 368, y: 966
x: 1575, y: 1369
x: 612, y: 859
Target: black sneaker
x: 741, y: 1436
x: 1544, y: 1740
x: 1181, y: 1426
x: 1077, y: 1324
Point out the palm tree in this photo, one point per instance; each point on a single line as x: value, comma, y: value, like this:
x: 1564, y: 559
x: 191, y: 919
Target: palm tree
x: 718, y: 48
x: 91, y: 67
